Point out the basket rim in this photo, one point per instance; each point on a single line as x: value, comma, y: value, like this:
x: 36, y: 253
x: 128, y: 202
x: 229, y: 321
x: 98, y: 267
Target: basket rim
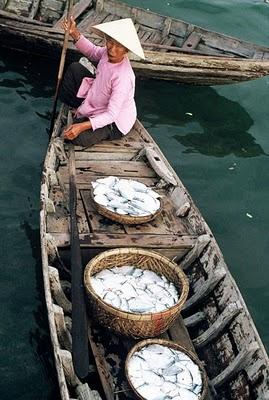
x: 170, y: 344
x: 136, y: 250
x: 125, y: 218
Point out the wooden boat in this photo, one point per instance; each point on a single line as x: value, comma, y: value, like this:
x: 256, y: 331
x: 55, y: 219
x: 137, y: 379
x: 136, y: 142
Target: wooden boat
x: 175, y: 50
x: 215, y: 322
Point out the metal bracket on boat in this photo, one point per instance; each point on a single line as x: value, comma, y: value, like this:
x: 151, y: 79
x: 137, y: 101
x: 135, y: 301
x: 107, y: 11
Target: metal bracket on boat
x: 59, y: 149
x: 201, y: 242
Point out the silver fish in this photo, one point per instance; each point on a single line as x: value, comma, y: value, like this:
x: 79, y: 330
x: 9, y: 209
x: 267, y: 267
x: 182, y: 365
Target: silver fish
x: 151, y: 274
x: 153, y: 194
x: 124, y: 270
x: 128, y: 291
x: 97, y: 286
x: 124, y: 305
x: 144, y: 207
x: 168, y: 387
x: 137, y: 272
x: 101, y: 199
x: 110, y: 181
x: 157, y: 362
x: 151, y: 393
x: 112, y: 299
x: 104, y: 274
x: 138, y: 186
x: 186, y: 394
x: 195, y: 373
x: 151, y: 378
x: 137, y: 305
x: 117, y: 202
x: 135, y: 367
x: 100, y: 189
x: 125, y: 190
x: 170, y: 378
x: 173, y: 369
x: 184, y: 377
x: 120, y: 211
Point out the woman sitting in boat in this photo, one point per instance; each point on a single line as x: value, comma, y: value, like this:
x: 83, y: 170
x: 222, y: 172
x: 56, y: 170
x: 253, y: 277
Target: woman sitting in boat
x: 104, y: 103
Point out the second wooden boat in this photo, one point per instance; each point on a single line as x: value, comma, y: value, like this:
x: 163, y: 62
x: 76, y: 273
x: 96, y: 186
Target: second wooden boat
x: 175, y: 50
x: 215, y: 321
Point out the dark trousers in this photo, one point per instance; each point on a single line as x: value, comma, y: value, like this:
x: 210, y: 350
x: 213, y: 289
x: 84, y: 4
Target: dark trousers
x: 68, y: 91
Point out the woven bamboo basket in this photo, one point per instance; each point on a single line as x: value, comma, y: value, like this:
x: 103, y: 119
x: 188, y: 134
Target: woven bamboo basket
x: 136, y: 325
x: 174, y: 346
x: 125, y: 219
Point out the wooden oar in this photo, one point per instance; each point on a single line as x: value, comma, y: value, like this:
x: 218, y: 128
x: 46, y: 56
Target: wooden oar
x: 80, y: 350
x: 61, y: 68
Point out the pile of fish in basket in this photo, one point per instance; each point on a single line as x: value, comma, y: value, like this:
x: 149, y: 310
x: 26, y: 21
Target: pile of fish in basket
x: 125, y: 200
x: 140, y: 293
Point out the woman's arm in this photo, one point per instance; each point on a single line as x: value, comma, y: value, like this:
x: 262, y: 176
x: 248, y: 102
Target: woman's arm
x: 72, y: 27
x: 76, y: 129
x: 84, y: 45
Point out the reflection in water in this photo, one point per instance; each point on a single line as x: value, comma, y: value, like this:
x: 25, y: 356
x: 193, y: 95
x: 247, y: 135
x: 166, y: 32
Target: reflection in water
x: 221, y: 143
x: 38, y: 337
x: 29, y: 73
x: 222, y: 124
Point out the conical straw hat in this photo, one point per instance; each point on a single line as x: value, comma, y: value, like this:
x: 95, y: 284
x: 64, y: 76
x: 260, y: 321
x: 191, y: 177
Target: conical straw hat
x: 123, y: 31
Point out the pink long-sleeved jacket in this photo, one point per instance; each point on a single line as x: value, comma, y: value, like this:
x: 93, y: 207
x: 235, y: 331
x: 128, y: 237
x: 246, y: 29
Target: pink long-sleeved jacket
x: 110, y: 96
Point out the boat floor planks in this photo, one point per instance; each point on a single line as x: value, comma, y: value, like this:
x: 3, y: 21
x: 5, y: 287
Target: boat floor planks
x: 220, y: 328
x: 174, y: 49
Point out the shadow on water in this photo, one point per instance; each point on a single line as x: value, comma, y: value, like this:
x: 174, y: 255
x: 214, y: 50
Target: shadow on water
x: 38, y: 337
x: 210, y: 124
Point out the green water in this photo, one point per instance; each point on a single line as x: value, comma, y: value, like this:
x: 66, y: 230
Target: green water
x: 227, y: 128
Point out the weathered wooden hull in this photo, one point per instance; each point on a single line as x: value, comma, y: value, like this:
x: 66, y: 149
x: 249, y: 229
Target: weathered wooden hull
x: 219, y: 324
x: 174, y: 49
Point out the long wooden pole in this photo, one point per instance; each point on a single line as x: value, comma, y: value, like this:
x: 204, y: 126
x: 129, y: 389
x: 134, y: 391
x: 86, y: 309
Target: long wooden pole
x: 80, y: 349
x: 61, y: 68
